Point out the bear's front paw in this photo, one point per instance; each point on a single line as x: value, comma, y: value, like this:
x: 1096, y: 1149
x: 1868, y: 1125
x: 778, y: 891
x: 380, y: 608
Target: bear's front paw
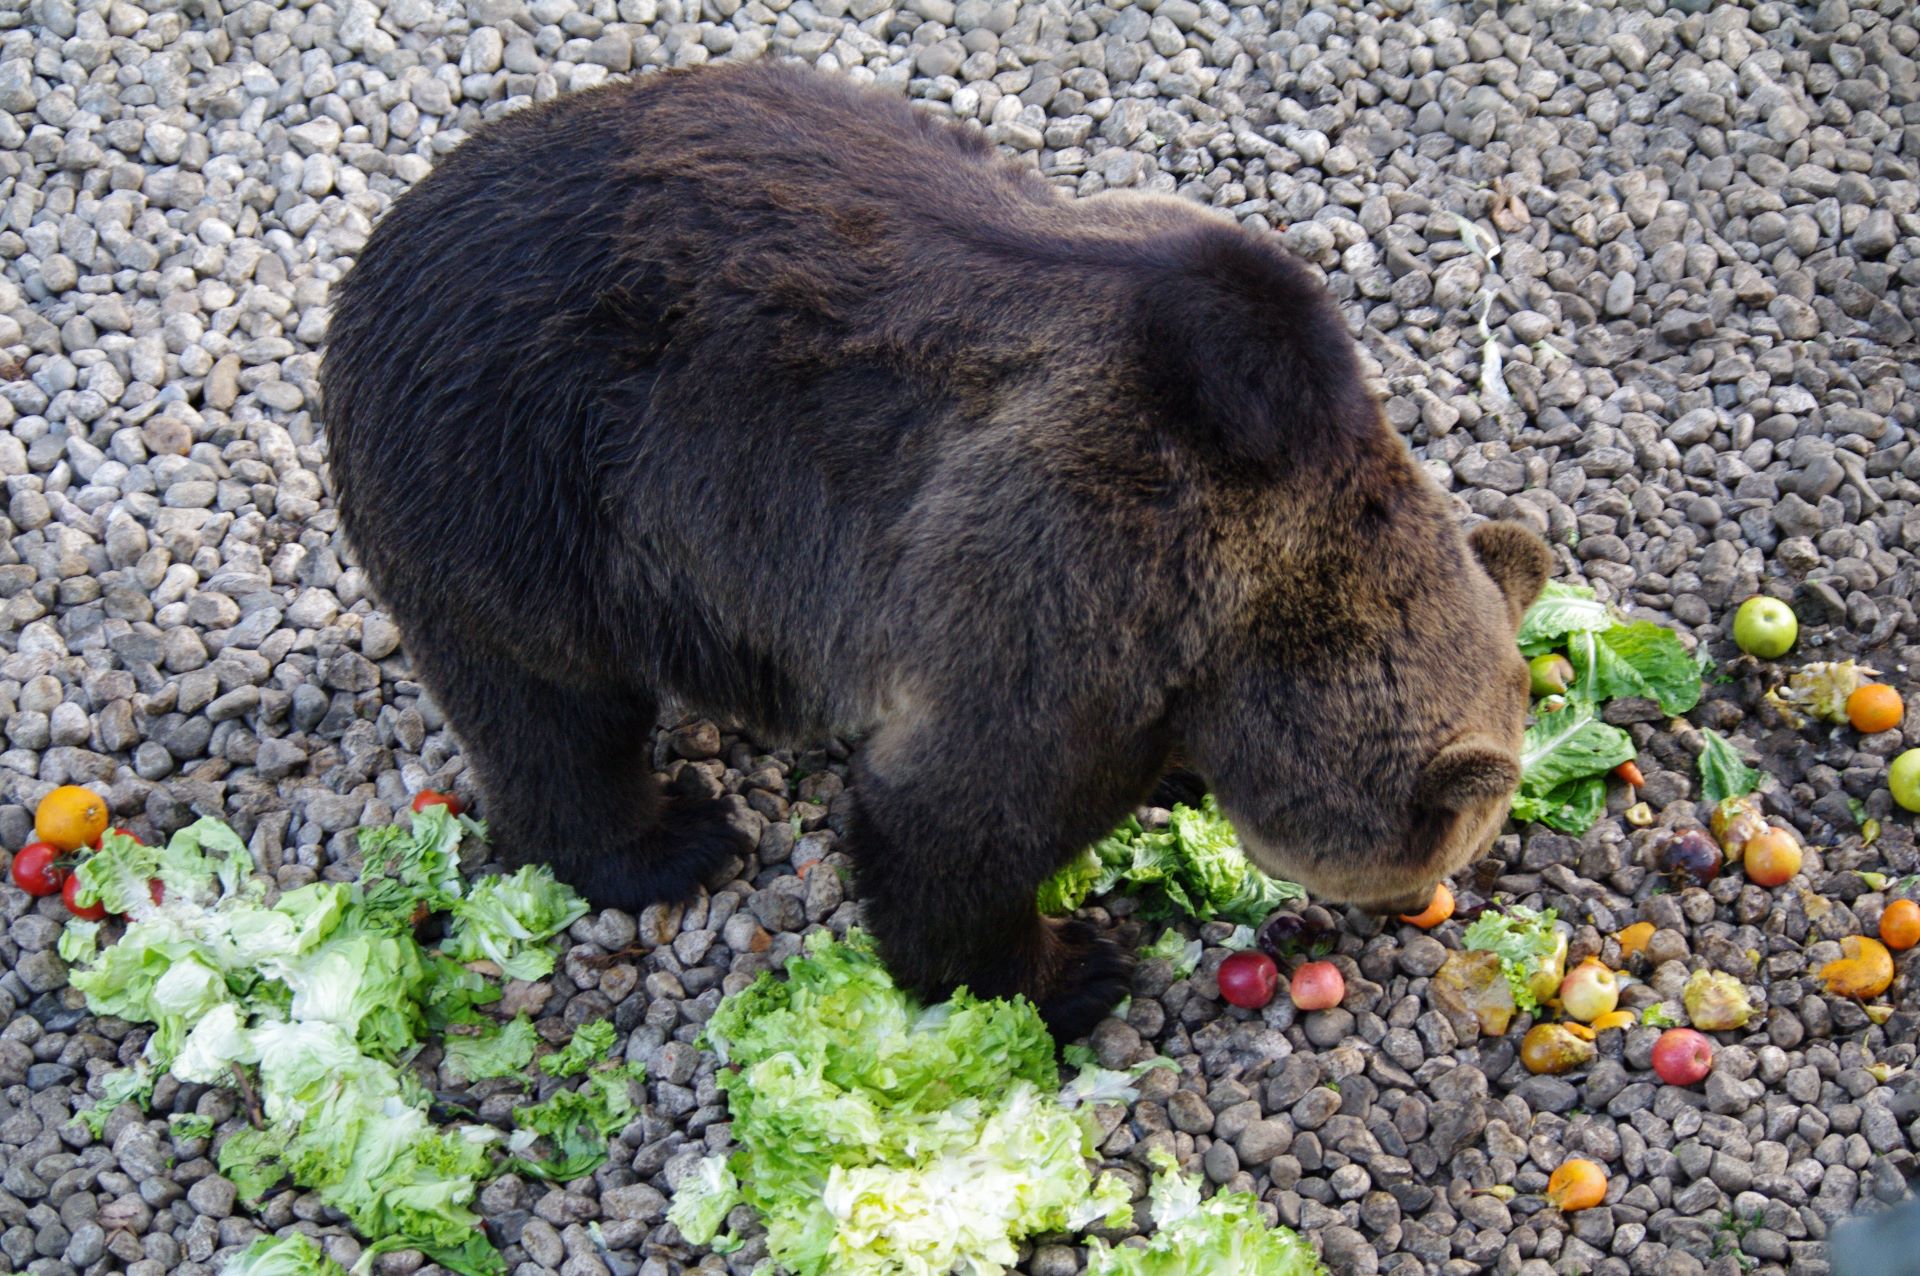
x: 1089, y: 975
x: 695, y: 843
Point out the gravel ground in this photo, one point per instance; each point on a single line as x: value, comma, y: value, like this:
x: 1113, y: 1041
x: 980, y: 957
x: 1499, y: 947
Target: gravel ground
x: 1705, y: 291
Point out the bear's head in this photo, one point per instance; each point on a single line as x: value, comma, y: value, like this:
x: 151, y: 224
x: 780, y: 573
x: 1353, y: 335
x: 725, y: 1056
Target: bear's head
x: 1363, y: 730
x: 1360, y: 704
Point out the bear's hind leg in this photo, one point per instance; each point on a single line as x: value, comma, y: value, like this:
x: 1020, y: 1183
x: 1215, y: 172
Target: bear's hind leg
x: 567, y: 779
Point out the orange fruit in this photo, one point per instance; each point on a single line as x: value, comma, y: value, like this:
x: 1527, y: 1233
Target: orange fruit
x: 1578, y: 1184
x: 1434, y: 913
x: 1772, y: 857
x: 1875, y: 707
x: 70, y: 817
x: 1900, y: 925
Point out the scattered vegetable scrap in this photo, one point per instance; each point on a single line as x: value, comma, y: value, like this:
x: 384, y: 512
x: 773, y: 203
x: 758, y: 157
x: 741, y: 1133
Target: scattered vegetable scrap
x: 1716, y: 1001
x: 1723, y: 773
x: 1194, y: 866
x: 1435, y: 912
x: 1821, y: 689
x: 1633, y: 939
x: 1865, y: 969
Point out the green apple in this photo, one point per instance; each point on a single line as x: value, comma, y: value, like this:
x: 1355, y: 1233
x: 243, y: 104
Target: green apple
x: 1903, y: 777
x: 1765, y: 627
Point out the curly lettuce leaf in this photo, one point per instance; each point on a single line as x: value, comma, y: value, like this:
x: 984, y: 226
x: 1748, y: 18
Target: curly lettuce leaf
x: 877, y: 1135
x: 1181, y: 953
x: 294, y: 1254
x: 1067, y: 889
x: 503, y: 1050
x: 1193, y: 866
x: 1723, y: 772
x: 590, y: 1044
x: 576, y: 1124
x: 507, y: 921
x: 1225, y: 1233
x: 1522, y: 939
x: 703, y: 1200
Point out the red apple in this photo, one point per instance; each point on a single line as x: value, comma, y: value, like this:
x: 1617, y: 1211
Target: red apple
x: 1682, y: 1056
x: 1318, y: 985
x: 1249, y: 979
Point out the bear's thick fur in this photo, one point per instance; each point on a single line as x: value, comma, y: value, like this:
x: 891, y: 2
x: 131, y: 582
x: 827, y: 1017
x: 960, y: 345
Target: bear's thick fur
x: 761, y: 390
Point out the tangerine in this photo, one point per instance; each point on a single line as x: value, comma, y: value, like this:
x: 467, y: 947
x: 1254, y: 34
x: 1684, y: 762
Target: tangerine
x: 70, y: 817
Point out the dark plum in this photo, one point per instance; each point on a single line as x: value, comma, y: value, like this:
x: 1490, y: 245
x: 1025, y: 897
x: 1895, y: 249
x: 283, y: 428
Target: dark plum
x: 1689, y: 854
x: 1291, y: 935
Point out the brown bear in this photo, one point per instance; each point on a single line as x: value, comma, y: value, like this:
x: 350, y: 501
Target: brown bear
x: 755, y: 388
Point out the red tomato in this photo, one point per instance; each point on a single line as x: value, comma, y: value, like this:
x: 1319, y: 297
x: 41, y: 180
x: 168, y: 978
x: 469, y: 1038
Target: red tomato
x: 85, y: 912
x: 95, y: 843
x: 157, y: 889
x: 1249, y: 979
x: 430, y: 797
x: 36, y: 870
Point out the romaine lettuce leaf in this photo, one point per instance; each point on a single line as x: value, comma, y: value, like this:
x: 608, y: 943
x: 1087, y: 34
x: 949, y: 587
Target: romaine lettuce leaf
x: 1638, y: 659
x: 1561, y: 609
x: 1723, y: 773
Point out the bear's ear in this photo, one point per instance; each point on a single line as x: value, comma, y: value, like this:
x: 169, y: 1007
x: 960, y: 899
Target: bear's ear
x: 1518, y: 561
x: 1469, y: 771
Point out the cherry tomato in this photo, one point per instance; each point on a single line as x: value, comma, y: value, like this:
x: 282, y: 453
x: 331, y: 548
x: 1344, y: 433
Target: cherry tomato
x: 430, y: 797
x: 85, y: 912
x: 128, y: 833
x: 1249, y: 979
x: 36, y: 869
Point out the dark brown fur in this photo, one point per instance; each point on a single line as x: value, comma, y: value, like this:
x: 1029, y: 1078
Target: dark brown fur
x: 776, y: 395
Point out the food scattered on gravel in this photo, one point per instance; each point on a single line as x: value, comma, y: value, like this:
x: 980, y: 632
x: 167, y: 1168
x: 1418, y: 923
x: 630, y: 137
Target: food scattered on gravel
x: 1678, y: 340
